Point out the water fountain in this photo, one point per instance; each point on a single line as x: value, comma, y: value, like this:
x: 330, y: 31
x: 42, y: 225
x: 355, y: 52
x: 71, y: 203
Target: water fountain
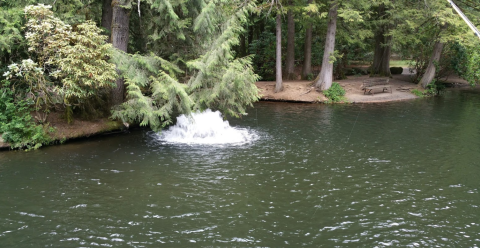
x: 207, y: 128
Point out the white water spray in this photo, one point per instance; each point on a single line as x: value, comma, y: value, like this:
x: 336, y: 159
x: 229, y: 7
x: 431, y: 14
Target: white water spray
x: 206, y: 128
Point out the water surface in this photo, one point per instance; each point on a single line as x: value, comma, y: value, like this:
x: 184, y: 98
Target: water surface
x: 396, y: 174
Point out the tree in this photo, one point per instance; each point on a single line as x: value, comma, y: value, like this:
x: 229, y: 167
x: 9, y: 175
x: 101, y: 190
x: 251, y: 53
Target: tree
x: 290, y: 57
x: 324, y: 79
x: 107, y: 17
x: 382, y: 39
x: 278, y: 63
x: 307, y: 61
x: 202, y: 71
x: 432, y: 65
x: 120, y: 34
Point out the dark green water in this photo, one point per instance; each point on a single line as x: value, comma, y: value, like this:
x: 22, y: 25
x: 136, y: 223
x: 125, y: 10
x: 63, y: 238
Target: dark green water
x: 401, y: 174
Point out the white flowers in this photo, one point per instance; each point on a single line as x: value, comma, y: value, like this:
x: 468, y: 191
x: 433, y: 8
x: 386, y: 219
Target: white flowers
x: 27, y: 66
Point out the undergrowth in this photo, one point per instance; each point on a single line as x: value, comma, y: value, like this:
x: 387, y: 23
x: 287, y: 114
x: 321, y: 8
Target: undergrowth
x: 335, y: 93
x: 433, y: 89
x: 17, y: 125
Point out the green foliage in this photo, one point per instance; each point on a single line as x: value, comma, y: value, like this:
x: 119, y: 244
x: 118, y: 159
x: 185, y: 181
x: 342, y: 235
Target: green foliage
x: 433, y: 89
x: 472, y: 72
x: 153, y: 95
x: 335, y: 93
x: 356, y: 71
x: 16, y: 123
x: 78, y: 59
x: 400, y: 63
x: 264, y: 55
x: 12, y: 42
x: 459, y: 58
x: 29, y: 79
x: 71, y: 65
x: 417, y: 92
x: 222, y: 82
x: 70, y: 68
x: 310, y: 76
x: 191, y: 65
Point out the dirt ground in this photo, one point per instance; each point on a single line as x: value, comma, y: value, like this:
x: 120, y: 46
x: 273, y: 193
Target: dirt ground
x: 302, y: 91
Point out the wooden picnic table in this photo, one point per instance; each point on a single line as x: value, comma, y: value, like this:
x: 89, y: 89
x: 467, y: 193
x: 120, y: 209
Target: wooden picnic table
x: 370, y: 85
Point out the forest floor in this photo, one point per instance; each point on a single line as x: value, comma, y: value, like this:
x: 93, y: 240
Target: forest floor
x: 294, y: 91
x: 303, y: 91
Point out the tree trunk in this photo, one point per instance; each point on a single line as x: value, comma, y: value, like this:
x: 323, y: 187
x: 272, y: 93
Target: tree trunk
x: 120, y: 32
x: 307, y: 62
x: 107, y: 13
x: 381, y: 56
x: 324, y: 79
x: 430, y: 72
x: 290, y: 60
x: 243, y: 47
x: 251, y: 30
x: 278, y: 63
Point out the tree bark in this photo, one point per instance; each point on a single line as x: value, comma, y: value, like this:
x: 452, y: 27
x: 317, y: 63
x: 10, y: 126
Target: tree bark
x: 324, y: 79
x: 290, y: 59
x: 307, y: 62
x: 243, y: 47
x: 107, y: 14
x: 278, y: 63
x: 120, y: 33
x: 381, y: 57
x: 251, y: 30
x: 430, y: 72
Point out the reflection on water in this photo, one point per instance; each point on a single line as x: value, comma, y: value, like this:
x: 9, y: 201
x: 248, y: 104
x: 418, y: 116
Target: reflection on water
x: 397, y: 174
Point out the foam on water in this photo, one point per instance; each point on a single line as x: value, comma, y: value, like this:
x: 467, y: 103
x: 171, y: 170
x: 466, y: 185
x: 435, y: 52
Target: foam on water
x: 207, y: 127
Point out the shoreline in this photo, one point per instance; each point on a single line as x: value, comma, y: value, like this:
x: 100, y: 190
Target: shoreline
x: 296, y: 91
x: 302, y: 91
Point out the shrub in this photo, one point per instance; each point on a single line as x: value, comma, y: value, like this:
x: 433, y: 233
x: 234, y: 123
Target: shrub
x: 335, y: 93
x: 355, y: 71
x: 417, y: 92
x: 433, y: 89
x: 16, y: 123
x: 310, y: 76
x: 396, y: 70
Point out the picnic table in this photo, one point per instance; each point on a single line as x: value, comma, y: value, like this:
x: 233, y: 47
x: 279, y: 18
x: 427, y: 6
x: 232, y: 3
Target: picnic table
x: 370, y: 85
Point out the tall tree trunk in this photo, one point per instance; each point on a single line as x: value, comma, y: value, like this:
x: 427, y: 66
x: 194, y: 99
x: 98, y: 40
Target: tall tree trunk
x: 324, y: 79
x: 120, y: 34
x: 261, y: 24
x: 278, y: 63
x: 107, y: 14
x: 430, y: 72
x: 307, y: 62
x: 243, y: 47
x: 251, y: 30
x: 290, y: 60
x: 381, y: 57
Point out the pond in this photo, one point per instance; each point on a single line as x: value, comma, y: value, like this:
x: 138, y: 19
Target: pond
x: 359, y: 175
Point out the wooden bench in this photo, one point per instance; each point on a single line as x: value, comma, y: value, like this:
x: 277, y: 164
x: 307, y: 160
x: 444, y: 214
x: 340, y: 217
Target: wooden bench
x: 370, y: 85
